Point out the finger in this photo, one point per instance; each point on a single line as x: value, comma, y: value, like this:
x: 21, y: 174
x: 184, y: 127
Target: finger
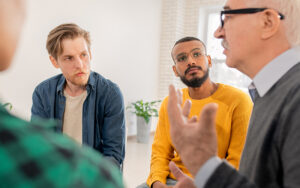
x: 179, y: 95
x: 173, y: 95
x: 174, y: 109
x: 193, y: 119
x: 187, y: 108
x: 176, y: 171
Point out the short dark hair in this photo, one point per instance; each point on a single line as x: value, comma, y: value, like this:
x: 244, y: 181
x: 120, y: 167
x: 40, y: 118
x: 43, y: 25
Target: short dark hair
x: 187, y: 39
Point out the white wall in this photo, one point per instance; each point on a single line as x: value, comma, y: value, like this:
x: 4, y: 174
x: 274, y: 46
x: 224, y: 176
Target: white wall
x: 125, y: 46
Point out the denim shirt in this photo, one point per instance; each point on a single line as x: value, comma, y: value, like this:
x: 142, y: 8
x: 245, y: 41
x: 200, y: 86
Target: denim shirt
x: 103, y: 123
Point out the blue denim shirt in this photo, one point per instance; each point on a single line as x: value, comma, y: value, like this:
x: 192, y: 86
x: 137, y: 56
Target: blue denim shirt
x: 103, y: 123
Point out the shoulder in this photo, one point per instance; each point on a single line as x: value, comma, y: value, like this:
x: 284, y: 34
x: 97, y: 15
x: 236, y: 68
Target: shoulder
x: 289, y: 83
x: 103, y: 84
x: 49, y: 83
x: 232, y: 90
x: 229, y: 95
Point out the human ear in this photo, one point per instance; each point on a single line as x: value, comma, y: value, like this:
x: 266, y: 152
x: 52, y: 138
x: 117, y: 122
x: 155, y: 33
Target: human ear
x: 53, y: 61
x: 270, y: 23
x: 209, y: 61
x: 175, y: 71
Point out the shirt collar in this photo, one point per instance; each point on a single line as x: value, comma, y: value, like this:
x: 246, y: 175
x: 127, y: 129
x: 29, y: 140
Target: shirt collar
x: 273, y: 71
x: 90, y: 85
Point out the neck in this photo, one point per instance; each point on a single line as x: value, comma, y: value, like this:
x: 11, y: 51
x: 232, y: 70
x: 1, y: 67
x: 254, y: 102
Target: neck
x: 204, y: 91
x: 74, y: 90
x: 264, y: 57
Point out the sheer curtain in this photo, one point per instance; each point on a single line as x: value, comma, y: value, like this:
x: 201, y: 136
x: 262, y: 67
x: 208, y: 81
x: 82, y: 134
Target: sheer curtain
x: 219, y: 71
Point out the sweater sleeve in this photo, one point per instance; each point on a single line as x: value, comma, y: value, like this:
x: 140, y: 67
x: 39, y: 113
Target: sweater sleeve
x: 239, y: 126
x: 226, y: 176
x: 162, y: 150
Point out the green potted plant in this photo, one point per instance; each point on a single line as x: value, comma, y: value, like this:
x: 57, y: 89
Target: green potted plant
x: 144, y: 111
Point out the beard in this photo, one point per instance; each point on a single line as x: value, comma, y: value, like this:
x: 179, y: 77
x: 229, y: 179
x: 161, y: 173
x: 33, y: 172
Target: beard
x: 197, y: 81
x: 79, y: 81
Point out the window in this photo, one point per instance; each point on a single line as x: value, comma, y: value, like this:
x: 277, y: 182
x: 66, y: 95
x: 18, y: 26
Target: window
x: 213, y: 44
x: 220, y: 73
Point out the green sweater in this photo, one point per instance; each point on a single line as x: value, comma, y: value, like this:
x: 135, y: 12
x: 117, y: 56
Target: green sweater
x: 32, y: 155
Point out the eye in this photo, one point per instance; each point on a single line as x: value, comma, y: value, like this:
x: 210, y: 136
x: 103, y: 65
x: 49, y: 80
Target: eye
x: 182, y: 58
x: 68, y: 58
x: 226, y: 17
x: 197, y: 54
x: 85, y: 55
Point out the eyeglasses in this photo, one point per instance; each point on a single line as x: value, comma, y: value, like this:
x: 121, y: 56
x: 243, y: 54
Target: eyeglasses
x: 244, y: 11
x: 195, y: 54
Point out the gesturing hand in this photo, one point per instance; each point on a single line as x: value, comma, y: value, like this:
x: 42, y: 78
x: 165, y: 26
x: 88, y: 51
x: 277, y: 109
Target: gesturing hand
x: 194, y: 140
x: 183, y: 181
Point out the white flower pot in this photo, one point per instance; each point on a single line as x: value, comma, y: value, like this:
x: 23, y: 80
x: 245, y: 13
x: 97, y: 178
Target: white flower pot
x: 143, y: 130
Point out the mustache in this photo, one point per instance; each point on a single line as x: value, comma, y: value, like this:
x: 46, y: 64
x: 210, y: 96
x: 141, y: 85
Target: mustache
x: 192, y: 67
x: 225, y: 44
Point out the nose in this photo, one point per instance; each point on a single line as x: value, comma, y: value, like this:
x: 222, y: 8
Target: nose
x: 79, y: 63
x: 219, y: 33
x: 191, y: 60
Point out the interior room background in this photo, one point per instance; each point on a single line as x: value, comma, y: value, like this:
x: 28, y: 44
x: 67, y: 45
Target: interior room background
x: 131, y: 45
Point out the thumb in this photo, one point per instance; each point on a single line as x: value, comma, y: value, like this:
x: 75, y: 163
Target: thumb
x: 176, y: 171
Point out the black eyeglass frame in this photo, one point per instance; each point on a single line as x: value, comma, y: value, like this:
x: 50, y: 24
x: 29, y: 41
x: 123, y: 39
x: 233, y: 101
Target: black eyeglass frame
x: 244, y: 11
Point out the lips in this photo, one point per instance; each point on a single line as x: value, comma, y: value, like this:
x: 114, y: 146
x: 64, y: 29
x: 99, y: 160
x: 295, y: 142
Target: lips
x: 192, y: 69
x: 80, y: 74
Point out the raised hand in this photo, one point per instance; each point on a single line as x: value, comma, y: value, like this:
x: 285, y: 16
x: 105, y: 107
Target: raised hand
x: 195, y: 141
x: 183, y: 181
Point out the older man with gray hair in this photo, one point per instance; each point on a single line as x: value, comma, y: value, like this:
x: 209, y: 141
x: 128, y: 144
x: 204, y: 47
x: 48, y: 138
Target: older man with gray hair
x: 260, y: 39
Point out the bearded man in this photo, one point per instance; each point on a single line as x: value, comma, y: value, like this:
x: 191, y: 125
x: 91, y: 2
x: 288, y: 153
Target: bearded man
x: 191, y: 64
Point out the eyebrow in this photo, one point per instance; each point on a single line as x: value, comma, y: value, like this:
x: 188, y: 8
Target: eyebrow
x: 226, y: 8
x: 68, y: 55
x: 183, y: 53
x: 195, y: 49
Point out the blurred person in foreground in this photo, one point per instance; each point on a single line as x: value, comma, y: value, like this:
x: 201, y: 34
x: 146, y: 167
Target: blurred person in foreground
x: 31, y: 154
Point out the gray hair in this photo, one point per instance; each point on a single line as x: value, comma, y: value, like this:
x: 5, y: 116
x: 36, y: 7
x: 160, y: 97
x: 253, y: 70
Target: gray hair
x: 290, y: 9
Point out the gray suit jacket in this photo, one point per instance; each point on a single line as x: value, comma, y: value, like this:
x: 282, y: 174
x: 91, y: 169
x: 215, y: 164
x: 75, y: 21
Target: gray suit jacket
x: 271, y: 157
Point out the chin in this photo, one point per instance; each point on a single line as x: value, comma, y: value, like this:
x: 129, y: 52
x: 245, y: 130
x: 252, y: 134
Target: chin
x: 83, y: 83
x: 229, y: 63
x: 80, y: 82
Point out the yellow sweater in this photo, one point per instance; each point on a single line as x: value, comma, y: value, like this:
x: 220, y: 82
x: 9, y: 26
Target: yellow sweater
x: 232, y: 121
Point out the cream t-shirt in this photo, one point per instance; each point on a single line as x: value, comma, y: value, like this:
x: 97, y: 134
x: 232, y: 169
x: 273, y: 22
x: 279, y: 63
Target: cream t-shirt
x: 72, y: 120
